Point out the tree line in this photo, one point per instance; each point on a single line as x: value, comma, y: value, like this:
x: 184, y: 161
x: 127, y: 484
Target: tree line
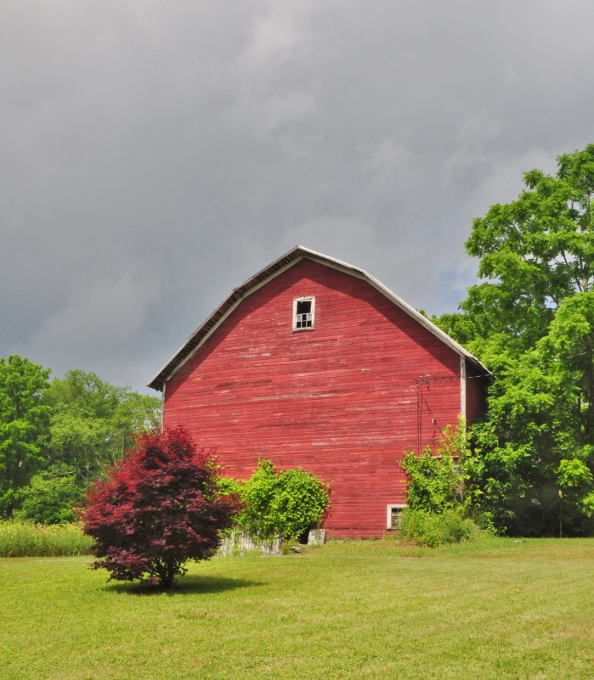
x: 58, y: 436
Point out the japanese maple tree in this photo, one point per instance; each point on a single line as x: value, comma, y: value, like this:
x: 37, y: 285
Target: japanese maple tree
x: 159, y: 508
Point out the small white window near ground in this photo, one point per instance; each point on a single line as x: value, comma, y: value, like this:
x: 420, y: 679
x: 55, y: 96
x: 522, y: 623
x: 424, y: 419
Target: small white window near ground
x: 394, y: 516
x: 304, y: 313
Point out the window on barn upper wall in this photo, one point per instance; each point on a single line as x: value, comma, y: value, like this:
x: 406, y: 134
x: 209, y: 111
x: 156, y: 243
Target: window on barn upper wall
x: 303, y: 313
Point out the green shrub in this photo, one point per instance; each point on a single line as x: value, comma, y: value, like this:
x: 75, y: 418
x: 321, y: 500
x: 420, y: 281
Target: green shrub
x: 229, y: 485
x: 433, y: 482
x: 286, y: 503
x: 33, y: 540
x: 436, y: 482
x: 432, y: 530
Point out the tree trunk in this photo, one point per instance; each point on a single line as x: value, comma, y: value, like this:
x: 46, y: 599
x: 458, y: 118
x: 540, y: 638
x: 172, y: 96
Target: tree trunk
x: 166, y: 572
x: 589, y: 376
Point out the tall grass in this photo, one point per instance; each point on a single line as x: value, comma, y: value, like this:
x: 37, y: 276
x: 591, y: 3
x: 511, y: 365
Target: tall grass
x: 433, y: 530
x: 34, y: 540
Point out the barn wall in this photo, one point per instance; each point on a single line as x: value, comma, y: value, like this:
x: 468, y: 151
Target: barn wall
x: 345, y: 400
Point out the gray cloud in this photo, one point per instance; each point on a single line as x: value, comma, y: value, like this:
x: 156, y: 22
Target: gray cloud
x: 154, y: 155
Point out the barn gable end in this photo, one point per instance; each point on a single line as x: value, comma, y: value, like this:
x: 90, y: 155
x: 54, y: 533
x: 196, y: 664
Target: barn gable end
x: 345, y: 399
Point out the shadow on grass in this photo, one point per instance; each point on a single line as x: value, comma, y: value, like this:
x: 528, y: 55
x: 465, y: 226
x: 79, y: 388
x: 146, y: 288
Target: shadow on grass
x: 186, y: 585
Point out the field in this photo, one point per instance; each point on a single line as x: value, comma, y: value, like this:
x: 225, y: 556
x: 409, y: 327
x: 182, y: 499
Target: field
x: 23, y: 540
x: 496, y: 608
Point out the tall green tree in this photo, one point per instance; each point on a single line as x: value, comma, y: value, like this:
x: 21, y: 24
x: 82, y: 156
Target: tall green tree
x: 24, y: 420
x: 93, y: 423
x: 531, y: 321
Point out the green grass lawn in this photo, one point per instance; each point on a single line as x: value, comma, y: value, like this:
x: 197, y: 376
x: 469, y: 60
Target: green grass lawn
x: 496, y: 608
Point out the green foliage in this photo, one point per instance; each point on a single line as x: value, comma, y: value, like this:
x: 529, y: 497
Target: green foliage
x: 436, y: 482
x: 531, y: 322
x: 435, y: 529
x: 230, y: 485
x: 438, y: 496
x: 50, y: 497
x: 19, y: 539
x: 93, y: 423
x: 573, y: 474
x: 433, y: 482
x: 23, y: 425
x: 286, y: 503
x: 534, y: 252
x: 539, y: 416
x: 56, y: 438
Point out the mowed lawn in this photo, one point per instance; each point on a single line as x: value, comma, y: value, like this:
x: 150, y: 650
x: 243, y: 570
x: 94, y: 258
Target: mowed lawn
x: 497, y: 608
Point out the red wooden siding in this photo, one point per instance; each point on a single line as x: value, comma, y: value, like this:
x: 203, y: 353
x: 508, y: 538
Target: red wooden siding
x: 344, y: 400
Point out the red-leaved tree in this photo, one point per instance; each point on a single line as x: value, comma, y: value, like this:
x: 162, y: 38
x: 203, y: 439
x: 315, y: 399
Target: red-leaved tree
x: 159, y: 508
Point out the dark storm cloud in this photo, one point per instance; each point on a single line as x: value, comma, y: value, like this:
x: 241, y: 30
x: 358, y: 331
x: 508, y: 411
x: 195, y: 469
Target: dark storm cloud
x: 154, y: 155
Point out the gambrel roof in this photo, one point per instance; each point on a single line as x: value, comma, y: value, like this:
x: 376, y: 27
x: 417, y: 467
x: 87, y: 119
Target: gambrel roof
x: 255, y: 282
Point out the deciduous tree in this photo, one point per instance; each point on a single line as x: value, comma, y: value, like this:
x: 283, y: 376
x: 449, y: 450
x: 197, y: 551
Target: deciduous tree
x: 159, y: 508
x: 93, y: 423
x: 23, y: 424
x: 531, y: 321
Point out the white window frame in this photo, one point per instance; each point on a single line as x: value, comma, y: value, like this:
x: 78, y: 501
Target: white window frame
x: 307, y: 298
x: 389, y: 508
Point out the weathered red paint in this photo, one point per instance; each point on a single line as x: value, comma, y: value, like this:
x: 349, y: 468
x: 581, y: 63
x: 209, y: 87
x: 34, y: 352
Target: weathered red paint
x: 345, y: 400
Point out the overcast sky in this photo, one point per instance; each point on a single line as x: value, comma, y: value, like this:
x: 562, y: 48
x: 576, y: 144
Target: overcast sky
x: 154, y: 154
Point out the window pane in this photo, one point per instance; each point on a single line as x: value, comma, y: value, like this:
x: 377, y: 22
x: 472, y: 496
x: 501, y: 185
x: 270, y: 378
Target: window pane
x: 303, y: 313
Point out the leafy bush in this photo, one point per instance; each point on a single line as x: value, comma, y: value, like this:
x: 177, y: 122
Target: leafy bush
x: 437, y: 506
x: 436, y: 482
x: 231, y: 486
x: 159, y: 508
x: 433, y: 482
x: 286, y: 503
x: 432, y: 530
x: 20, y: 539
x: 50, y: 497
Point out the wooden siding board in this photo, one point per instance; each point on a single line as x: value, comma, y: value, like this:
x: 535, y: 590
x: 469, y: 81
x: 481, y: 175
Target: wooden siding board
x: 341, y: 400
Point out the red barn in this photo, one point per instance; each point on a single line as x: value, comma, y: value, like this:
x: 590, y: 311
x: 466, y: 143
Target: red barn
x: 313, y: 363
